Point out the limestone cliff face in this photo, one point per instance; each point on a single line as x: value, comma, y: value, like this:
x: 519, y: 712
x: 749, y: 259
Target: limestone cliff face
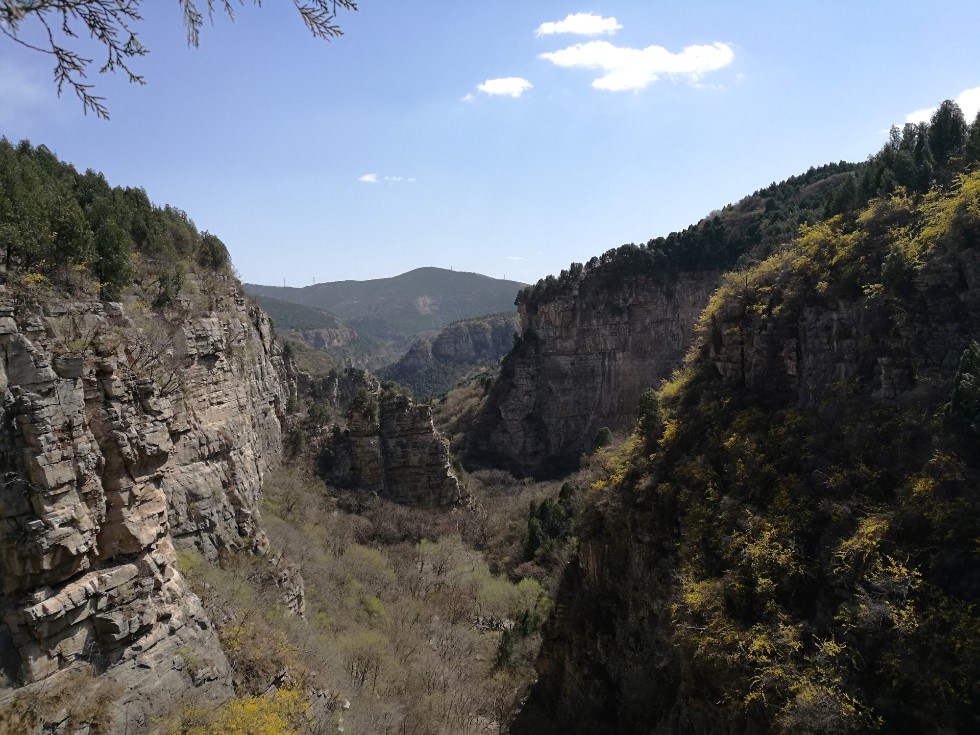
x: 393, y: 449
x: 584, y: 358
x: 475, y: 341
x: 858, y: 344
x: 434, y: 365
x: 122, y: 438
x: 614, y: 660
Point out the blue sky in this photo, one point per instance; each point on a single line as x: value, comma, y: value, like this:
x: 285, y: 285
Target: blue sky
x: 506, y: 138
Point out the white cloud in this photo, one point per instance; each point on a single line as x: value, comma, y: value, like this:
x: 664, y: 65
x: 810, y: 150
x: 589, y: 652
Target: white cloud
x: 629, y: 68
x: 507, y: 86
x: 468, y: 97
x: 375, y: 178
x: 581, y: 24
x: 968, y: 100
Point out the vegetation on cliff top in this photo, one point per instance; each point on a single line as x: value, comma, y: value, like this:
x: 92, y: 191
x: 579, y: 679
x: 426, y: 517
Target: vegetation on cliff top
x: 819, y: 569
x: 77, y: 232
x: 914, y: 158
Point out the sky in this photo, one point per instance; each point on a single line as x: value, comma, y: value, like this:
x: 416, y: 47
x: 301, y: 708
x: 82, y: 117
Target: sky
x: 508, y: 138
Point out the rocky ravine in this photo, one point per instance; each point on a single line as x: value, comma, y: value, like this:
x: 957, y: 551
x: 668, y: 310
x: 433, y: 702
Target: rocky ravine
x: 583, y: 360
x: 122, y: 440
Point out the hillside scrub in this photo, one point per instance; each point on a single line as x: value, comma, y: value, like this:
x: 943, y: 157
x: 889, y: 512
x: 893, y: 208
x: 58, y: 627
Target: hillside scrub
x: 810, y: 544
x: 426, y: 621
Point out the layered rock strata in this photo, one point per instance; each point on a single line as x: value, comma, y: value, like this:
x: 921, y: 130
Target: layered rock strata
x: 124, y: 437
x: 583, y: 359
x: 392, y: 449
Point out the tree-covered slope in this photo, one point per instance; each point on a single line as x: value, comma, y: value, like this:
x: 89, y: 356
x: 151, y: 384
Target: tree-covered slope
x: 395, y: 309
x: 788, y: 542
x: 76, y: 231
x: 915, y: 157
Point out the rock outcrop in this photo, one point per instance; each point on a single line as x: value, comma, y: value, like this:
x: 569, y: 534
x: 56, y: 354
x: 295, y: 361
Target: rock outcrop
x: 391, y: 448
x: 124, y: 437
x: 584, y: 357
x: 433, y: 366
x: 832, y: 356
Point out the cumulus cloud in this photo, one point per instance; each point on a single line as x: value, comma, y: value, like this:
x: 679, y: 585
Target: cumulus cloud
x: 581, y: 24
x: 968, y: 100
x: 507, y: 86
x: 629, y: 68
x: 368, y: 178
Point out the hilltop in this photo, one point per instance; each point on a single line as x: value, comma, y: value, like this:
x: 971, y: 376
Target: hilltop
x: 395, y: 310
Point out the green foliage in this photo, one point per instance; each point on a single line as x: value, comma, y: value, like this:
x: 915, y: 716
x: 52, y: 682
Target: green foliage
x: 169, y: 284
x: 363, y: 404
x: 318, y: 415
x: 549, y: 521
x: 806, y: 547
x: 648, y: 419
x: 71, y: 227
x: 914, y: 158
x: 603, y: 438
x: 296, y: 441
x: 948, y: 132
x: 112, y: 26
x: 212, y: 253
x: 962, y: 413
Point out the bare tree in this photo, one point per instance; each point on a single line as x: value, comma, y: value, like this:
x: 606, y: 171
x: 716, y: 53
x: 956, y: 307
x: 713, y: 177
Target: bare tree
x: 112, y: 24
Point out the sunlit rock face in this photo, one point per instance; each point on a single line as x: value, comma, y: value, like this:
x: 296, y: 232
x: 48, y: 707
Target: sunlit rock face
x: 583, y: 360
x: 397, y: 454
x: 124, y: 437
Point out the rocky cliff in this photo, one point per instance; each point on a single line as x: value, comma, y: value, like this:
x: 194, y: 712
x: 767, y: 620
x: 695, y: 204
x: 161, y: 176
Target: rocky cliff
x: 433, y: 366
x: 584, y: 357
x: 124, y: 437
x: 391, y: 448
x: 790, y: 550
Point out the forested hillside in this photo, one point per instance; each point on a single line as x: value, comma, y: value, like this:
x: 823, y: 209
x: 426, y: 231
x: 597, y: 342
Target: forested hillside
x: 787, y: 542
x: 433, y: 366
x: 75, y: 231
x: 915, y: 157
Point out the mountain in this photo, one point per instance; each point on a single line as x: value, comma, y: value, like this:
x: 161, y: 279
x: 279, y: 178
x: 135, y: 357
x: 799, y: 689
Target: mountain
x: 786, y: 542
x: 327, y: 333
x: 434, y: 365
x: 396, y: 309
x: 597, y: 335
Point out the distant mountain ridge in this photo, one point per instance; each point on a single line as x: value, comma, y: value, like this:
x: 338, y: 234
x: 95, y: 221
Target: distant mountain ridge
x: 396, y: 309
x: 326, y: 333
